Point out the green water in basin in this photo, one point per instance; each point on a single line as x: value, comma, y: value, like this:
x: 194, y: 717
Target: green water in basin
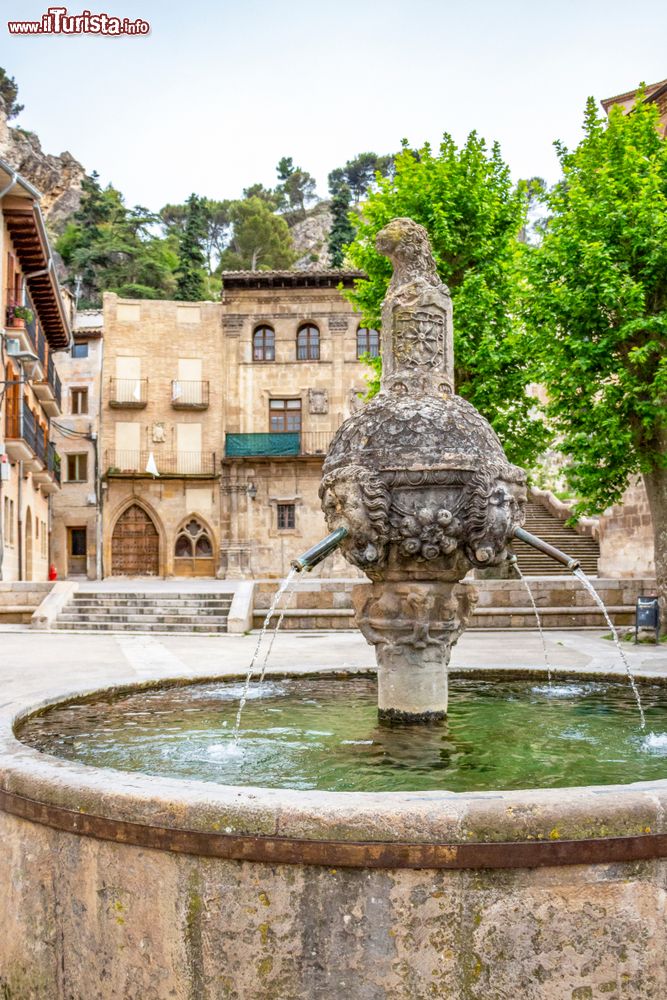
x: 323, y: 734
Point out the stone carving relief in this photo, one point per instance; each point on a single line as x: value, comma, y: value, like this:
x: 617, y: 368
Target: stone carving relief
x: 419, y: 338
x: 318, y: 401
x: 159, y: 433
x: 338, y: 324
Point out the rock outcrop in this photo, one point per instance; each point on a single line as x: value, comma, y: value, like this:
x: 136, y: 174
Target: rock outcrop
x: 57, y: 178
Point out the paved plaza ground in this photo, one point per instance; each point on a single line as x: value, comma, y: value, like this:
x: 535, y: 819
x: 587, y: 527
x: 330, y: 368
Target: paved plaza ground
x: 36, y: 663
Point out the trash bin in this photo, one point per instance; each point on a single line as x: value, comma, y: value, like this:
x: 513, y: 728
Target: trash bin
x: 647, y: 615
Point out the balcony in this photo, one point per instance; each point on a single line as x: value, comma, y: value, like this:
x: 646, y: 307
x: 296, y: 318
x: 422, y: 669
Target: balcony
x: 189, y: 395
x: 25, y: 441
x: 48, y: 479
x: 171, y: 464
x: 128, y: 393
x: 18, y: 326
x: 48, y: 390
x: 284, y: 444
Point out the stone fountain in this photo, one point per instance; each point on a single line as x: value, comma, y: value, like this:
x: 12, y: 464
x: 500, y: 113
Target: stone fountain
x: 143, y: 885
x: 420, y: 482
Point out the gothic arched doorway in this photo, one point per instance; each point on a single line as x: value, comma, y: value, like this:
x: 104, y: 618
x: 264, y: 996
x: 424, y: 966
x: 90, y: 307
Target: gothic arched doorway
x: 135, y: 544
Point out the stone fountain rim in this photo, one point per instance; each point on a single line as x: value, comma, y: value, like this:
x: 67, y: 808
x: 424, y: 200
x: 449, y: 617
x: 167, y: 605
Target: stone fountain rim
x: 555, y: 824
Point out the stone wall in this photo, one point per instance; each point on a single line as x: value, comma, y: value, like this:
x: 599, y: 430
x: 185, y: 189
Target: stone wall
x: 563, y: 602
x: 626, y: 536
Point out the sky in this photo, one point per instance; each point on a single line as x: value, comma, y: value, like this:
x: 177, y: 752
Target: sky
x: 218, y: 92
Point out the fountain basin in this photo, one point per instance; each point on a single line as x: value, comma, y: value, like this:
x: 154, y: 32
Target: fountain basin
x: 133, y: 886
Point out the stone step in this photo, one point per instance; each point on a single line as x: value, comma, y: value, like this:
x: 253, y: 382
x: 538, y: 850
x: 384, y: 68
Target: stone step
x: 211, y: 608
x: 192, y: 595
x: 142, y: 599
x: 185, y: 620
x: 148, y: 628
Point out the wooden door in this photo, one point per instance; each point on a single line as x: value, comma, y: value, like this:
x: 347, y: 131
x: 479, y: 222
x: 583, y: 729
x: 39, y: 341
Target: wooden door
x: 135, y: 545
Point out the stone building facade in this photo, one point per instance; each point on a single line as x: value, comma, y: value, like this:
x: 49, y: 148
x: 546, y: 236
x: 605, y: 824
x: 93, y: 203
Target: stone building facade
x: 76, y: 529
x: 292, y: 374
x: 161, y: 422
x: 215, y: 419
x: 35, y: 327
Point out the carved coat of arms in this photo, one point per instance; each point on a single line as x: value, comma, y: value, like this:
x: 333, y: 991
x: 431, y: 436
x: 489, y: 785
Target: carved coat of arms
x: 419, y: 337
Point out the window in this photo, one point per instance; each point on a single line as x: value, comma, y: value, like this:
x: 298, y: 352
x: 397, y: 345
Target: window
x: 77, y: 468
x: 193, y: 542
x: 284, y: 415
x: 80, y: 350
x: 308, y: 343
x: 286, y: 516
x: 264, y: 344
x: 368, y: 342
x: 79, y: 400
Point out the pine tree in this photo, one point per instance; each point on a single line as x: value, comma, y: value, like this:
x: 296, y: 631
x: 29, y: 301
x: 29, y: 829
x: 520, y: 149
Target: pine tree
x: 191, y: 270
x: 342, y: 230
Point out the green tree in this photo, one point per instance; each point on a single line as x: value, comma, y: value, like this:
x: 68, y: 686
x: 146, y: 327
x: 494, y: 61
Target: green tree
x: 473, y: 214
x: 296, y: 190
x: 107, y: 246
x: 598, y: 305
x: 260, y: 240
x: 9, y: 92
x: 191, y: 270
x: 342, y: 229
x: 272, y: 198
x: 360, y: 172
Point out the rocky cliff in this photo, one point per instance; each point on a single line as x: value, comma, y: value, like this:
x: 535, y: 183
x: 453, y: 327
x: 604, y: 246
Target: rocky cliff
x: 57, y: 178
x: 311, y: 239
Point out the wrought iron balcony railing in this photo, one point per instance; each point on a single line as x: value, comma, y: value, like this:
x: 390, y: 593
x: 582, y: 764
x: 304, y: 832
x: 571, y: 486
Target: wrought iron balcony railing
x: 53, y: 462
x: 128, y: 393
x: 284, y: 444
x: 121, y: 462
x: 189, y: 395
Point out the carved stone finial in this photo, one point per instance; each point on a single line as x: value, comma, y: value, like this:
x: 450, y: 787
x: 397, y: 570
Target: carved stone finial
x: 417, y: 330
x: 421, y: 483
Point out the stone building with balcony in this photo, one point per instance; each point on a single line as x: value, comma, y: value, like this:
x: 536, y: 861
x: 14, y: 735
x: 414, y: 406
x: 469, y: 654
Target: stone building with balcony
x: 76, y: 528
x: 161, y: 432
x: 36, y: 325
x: 291, y: 345
x: 215, y: 420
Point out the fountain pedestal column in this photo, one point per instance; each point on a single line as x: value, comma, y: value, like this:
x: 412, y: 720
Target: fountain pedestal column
x: 413, y: 626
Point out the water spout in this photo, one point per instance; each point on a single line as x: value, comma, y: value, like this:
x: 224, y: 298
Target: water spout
x: 549, y: 550
x: 320, y: 551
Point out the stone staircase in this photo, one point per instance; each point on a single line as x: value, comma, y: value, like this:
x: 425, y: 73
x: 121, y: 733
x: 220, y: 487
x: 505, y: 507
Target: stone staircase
x: 539, y: 521
x: 106, y: 611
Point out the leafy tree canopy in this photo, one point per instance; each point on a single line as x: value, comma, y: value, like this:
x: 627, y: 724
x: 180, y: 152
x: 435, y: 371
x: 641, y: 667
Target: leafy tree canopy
x: 107, y: 246
x: 597, y: 303
x: 473, y: 214
x: 296, y: 189
x: 9, y: 92
x: 260, y: 241
x: 360, y: 172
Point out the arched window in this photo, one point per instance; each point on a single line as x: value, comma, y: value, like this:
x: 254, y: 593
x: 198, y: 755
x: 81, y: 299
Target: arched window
x: 368, y: 342
x: 264, y: 344
x: 193, y: 550
x: 308, y: 343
